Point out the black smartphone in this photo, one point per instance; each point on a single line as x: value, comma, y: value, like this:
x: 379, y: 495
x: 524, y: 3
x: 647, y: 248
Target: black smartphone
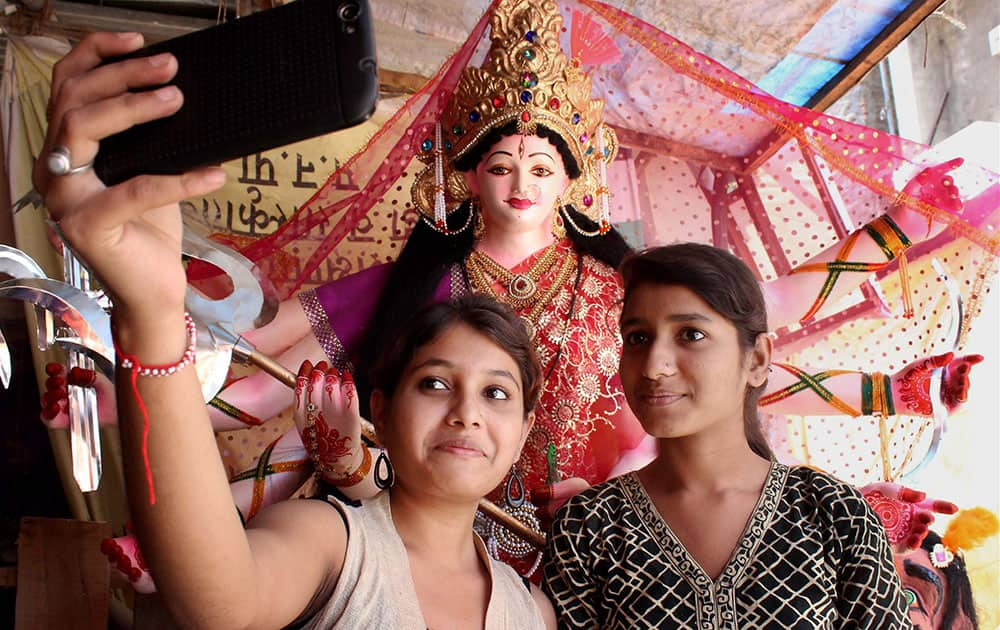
x: 272, y: 78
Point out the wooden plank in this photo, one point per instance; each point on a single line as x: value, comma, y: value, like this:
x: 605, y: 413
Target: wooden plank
x: 678, y: 150
x: 63, y: 580
x: 876, y: 50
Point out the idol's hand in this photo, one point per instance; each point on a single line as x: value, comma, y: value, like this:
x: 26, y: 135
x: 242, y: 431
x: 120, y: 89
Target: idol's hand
x: 549, y: 498
x: 126, y: 559
x: 955, y: 389
x: 905, y: 513
x: 129, y: 234
x: 326, y: 413
x: 935, y: 187
x: 54, y: 403
x: 911, y: 385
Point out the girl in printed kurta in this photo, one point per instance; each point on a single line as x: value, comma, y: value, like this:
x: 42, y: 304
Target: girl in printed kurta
x: 715, y: 533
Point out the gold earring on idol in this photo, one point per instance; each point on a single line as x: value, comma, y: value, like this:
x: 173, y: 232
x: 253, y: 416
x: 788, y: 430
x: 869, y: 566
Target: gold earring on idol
x: 479, y: 227
x: 558, y: 227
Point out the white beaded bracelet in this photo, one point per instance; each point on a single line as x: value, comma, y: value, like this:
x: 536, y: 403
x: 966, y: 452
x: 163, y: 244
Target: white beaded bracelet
x: 129, y: 362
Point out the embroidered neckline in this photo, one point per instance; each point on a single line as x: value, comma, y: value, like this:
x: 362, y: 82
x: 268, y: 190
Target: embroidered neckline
x: 678, y: 555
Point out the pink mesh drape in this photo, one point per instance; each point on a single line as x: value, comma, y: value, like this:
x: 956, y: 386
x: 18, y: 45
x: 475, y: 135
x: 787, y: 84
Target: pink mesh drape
x: 706, y: 156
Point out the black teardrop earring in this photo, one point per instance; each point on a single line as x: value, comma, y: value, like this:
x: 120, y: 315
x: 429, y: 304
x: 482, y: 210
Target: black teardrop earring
x: 385, y: 475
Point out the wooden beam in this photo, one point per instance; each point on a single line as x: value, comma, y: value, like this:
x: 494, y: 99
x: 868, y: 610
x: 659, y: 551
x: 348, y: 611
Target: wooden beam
x: 834, y: 211
x: 679, y: 150
x: 725, y: 232
x: 400, y: 82
x: 764, y: 151
x: 739, y: 245
x: 876, y: 50
x: 788, y: 341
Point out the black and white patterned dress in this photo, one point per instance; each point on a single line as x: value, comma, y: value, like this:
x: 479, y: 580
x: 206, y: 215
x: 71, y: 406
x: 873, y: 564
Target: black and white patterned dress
x: 813, y: 555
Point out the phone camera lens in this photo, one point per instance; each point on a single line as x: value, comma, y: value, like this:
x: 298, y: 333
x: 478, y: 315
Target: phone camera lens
x: 349, y: 12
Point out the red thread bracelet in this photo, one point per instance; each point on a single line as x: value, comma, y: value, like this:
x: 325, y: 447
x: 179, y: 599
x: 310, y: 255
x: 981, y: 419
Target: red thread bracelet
x: 136, y: 369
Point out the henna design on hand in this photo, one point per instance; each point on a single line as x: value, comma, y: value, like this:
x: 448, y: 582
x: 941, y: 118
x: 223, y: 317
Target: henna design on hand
x: 330, y: 445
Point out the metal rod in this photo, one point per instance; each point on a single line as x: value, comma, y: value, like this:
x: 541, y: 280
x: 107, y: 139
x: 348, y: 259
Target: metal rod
x: 493, y: 511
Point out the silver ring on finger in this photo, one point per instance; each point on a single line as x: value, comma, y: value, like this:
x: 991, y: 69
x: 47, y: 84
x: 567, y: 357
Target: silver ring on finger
x: 60, y: 163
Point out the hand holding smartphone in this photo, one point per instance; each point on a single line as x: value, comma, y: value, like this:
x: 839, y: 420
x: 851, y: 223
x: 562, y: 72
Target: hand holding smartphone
x: 269, y: 79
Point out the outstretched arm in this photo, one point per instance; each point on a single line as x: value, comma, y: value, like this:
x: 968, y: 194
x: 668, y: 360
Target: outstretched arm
x: 839, y: 270
x: 791, y: 390
x: 211, y: 572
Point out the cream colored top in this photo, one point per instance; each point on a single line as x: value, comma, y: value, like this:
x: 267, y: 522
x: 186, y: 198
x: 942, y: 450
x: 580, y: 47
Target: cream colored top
x: 376, y: 590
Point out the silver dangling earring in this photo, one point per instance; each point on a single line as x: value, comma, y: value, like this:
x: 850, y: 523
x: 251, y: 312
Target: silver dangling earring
x: 385, y: 475
x: 514, y: 491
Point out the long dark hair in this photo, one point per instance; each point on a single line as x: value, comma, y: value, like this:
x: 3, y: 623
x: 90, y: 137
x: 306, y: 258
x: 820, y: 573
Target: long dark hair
x: 428, y: 255
x: 728, y: 286
x: 481, y: 313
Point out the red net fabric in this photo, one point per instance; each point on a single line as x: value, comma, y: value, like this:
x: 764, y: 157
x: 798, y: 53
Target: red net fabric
x: 705, y: 156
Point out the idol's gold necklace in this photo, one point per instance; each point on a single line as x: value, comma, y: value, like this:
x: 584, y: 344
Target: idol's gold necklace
x: 522, y: 288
